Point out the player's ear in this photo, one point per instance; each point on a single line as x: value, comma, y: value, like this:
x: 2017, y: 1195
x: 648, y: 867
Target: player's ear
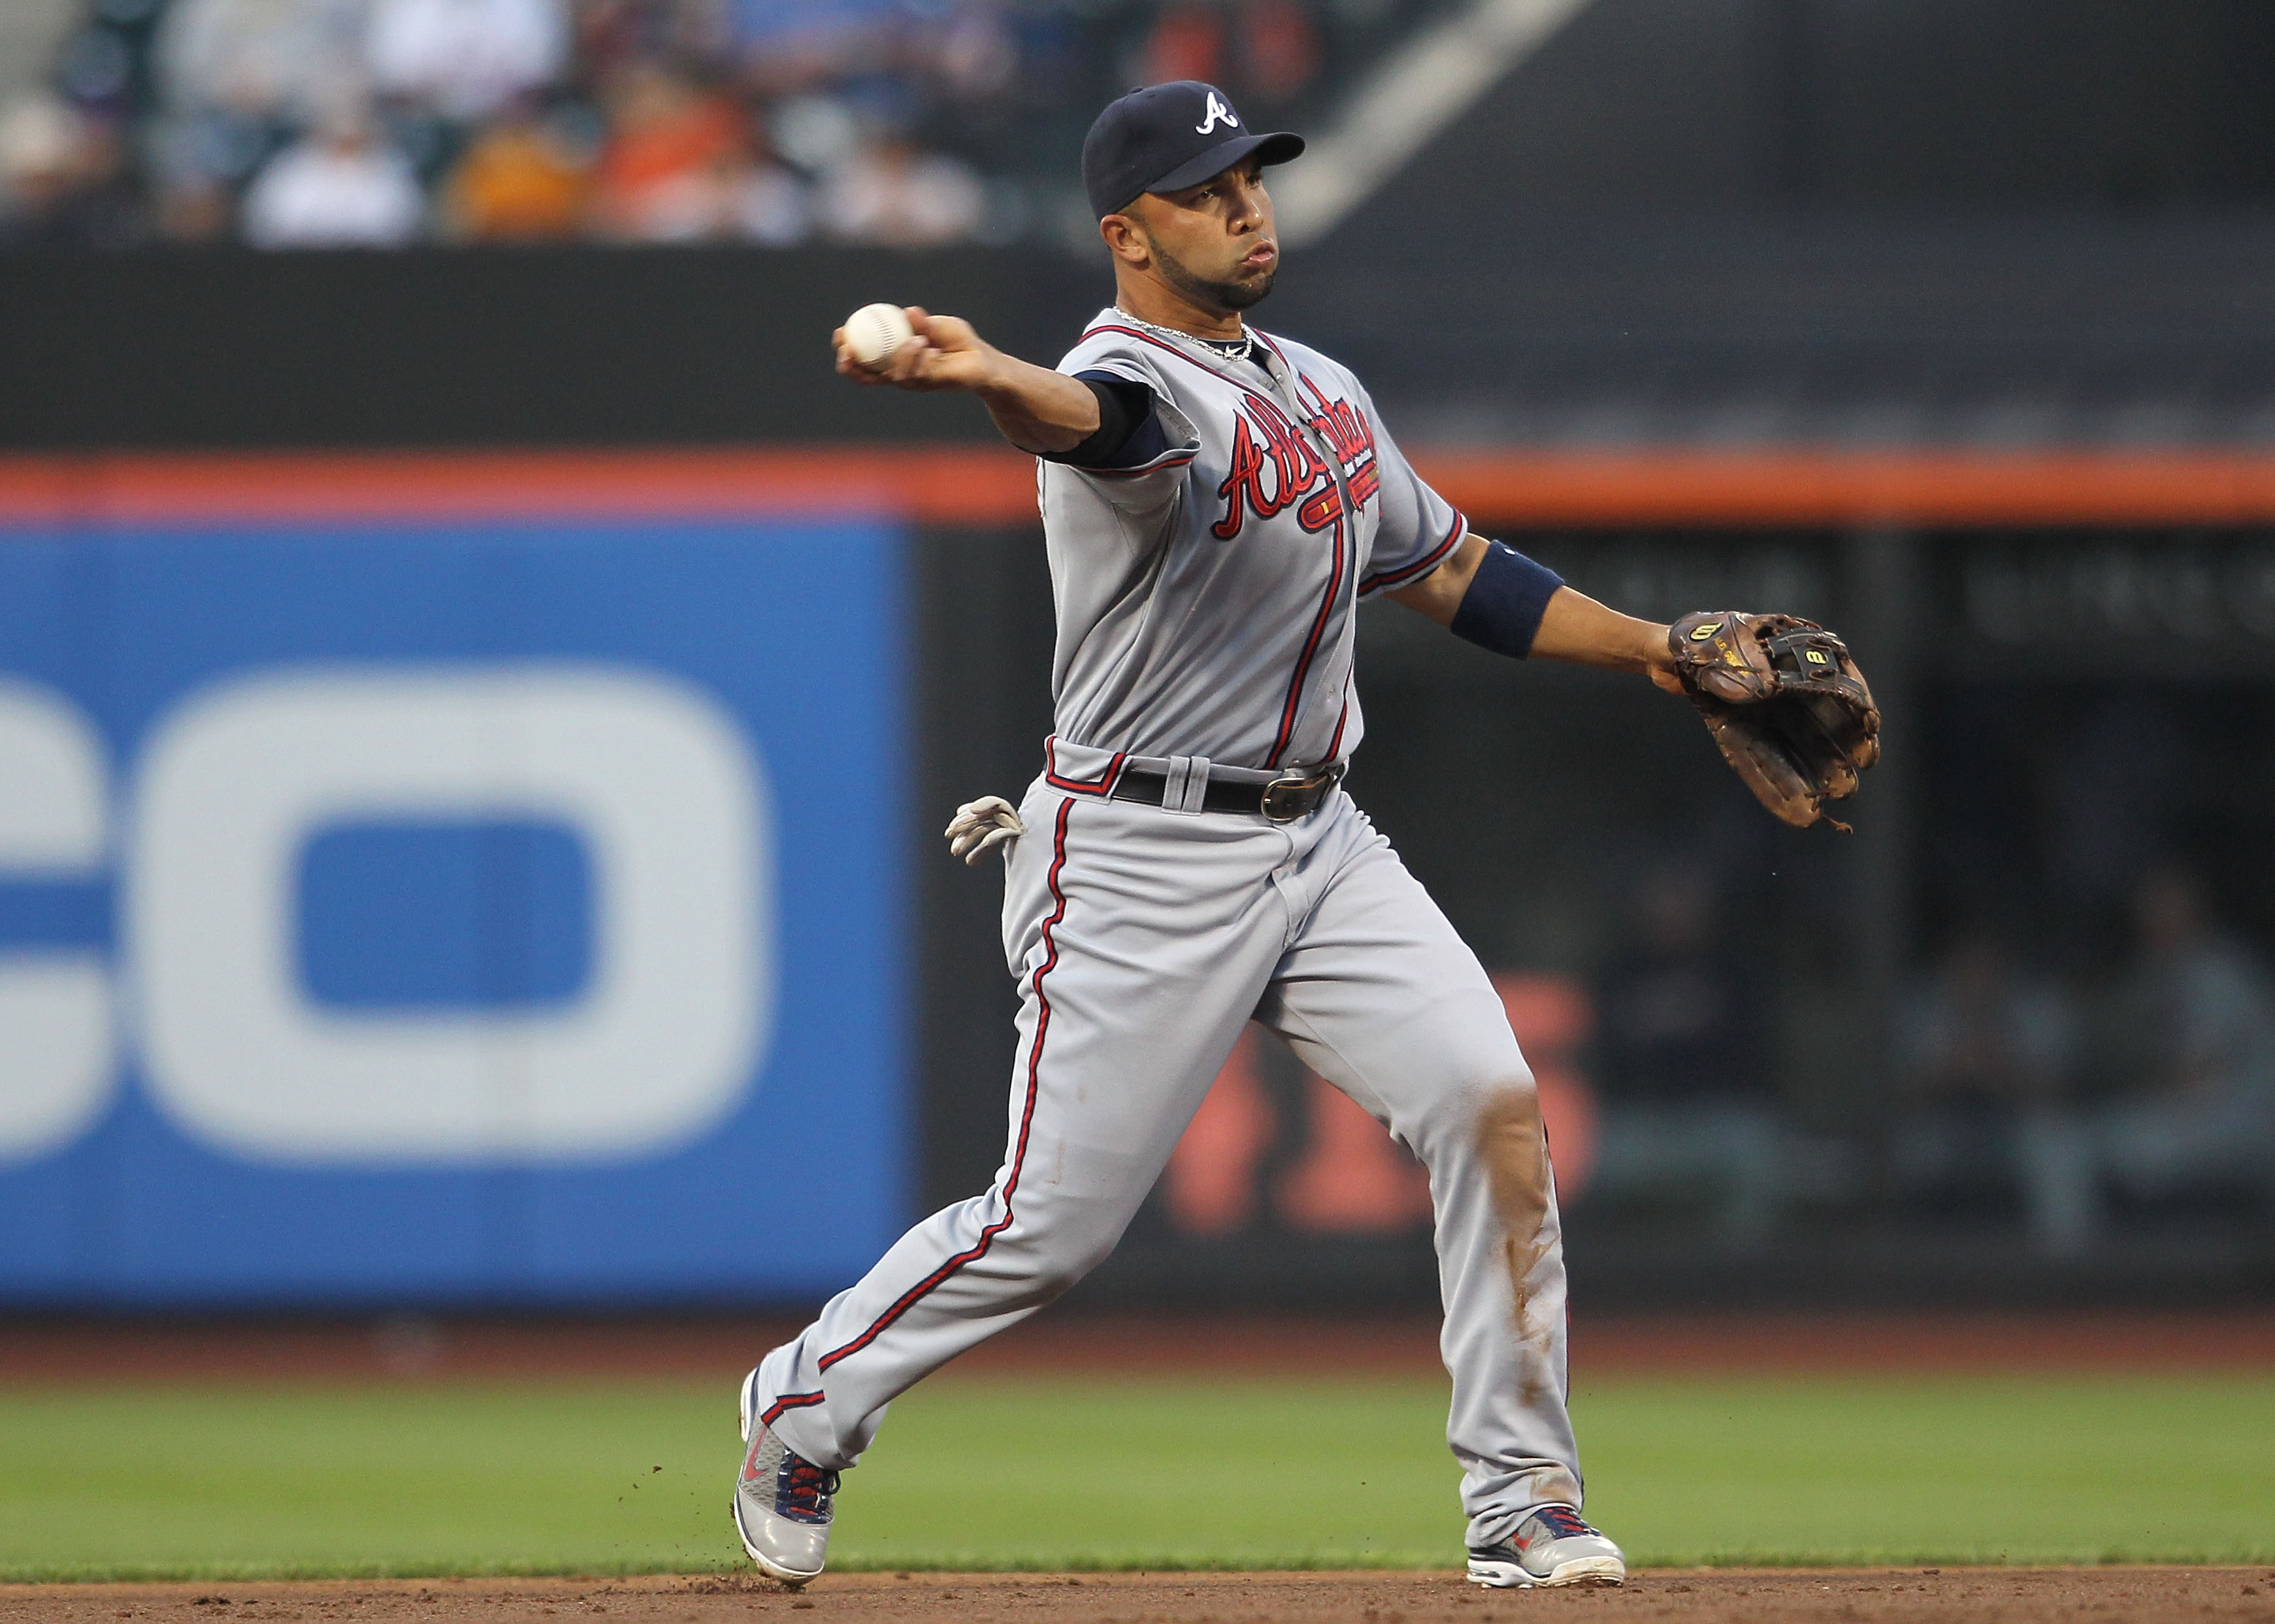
x: 1124, y: 239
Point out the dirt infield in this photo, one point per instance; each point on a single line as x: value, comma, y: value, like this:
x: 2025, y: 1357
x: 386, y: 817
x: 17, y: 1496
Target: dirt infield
x: 2009, y: 1595
x: 72, y: 1349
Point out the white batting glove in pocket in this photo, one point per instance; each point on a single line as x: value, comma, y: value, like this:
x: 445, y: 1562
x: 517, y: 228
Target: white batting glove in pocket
x: 981, y: 827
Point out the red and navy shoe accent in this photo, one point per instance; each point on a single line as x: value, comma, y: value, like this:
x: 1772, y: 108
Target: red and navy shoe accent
x: 804, y: 1492
x: 1563, y: 1522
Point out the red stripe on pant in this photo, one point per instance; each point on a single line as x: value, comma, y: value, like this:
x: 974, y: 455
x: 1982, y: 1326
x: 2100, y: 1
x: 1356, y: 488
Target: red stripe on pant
x: 788, y: 1401
x: 916, y: 1293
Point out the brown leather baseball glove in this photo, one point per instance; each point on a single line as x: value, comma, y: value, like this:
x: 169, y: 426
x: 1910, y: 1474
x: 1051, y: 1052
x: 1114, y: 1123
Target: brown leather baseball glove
x: 1785, y: 704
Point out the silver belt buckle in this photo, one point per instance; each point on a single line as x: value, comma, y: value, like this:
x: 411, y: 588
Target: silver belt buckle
x: 1280, y: 803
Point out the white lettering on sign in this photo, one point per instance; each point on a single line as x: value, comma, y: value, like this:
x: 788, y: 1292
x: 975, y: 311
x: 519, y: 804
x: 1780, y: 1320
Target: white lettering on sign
x: 654, y: 778
x: 59, y: 1062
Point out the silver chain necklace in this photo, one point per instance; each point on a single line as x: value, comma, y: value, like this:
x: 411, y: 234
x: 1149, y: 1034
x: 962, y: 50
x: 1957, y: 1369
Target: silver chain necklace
x: 1247, y: 340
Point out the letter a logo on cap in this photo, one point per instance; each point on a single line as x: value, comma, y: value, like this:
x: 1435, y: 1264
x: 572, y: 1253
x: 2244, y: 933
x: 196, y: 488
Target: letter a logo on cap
x: 1218, y: 113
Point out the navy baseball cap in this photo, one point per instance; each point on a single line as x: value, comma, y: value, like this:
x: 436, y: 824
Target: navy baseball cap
x: 1166, y: 137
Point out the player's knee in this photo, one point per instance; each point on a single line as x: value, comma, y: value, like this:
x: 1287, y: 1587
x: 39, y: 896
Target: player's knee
x: 1058, y: 1270
x: 1055, y: 1279
x: 1482, y: 1082
x: 1067, y: 1241
x: 1489, y: 1126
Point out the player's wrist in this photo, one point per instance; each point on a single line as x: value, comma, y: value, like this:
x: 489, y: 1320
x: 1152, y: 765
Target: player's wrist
x: 997, y: 378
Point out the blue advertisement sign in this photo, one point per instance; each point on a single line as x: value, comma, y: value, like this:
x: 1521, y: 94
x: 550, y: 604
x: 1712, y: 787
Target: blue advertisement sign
x: 496, y: 913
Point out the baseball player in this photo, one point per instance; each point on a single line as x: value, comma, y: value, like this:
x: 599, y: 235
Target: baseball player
x: 1216, y: 503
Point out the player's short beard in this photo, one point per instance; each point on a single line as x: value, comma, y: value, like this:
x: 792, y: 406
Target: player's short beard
x: 1224, y: 296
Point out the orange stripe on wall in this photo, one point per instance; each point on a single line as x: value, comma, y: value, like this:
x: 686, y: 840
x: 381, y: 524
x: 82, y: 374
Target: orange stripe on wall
x: 993, y: 485
x: 1847, y: 488
x: 930, y: 484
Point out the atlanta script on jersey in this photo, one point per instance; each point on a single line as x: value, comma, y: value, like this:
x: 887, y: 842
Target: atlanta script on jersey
x: 1207, y: 598
x: 1275, y: 467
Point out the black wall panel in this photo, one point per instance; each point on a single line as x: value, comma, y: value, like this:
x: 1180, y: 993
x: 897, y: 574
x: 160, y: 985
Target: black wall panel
x: 443, y: 348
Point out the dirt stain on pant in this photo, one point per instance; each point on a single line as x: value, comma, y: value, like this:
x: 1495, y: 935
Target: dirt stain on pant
x: 1514, y: 1147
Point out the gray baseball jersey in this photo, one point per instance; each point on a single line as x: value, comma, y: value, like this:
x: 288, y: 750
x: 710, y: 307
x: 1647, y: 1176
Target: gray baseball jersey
x: 1205, y: 598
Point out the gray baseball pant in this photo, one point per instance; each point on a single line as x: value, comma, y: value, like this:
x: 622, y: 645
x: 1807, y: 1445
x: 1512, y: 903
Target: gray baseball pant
x: 1144, y: 938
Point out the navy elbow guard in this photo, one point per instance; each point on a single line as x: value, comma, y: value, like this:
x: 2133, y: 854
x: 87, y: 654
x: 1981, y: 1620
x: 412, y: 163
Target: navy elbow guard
x: 1507, y: 597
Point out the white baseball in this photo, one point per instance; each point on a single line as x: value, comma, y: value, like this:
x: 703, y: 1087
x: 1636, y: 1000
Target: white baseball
x: 874, y: 332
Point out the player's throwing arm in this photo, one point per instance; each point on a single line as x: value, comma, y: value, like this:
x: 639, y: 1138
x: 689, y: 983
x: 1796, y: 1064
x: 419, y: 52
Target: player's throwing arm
x: 1038, y: 409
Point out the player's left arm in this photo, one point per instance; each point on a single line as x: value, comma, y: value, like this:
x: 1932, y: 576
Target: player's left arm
x: 1497, y: 598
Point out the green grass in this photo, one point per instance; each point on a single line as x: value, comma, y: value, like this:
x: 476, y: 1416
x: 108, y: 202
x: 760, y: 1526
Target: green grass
x: 198, y: 1482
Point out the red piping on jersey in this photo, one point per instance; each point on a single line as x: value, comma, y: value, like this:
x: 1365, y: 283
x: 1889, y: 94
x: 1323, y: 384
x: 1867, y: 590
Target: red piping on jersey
x: 1335, y: 744
x: 1311, y: 647
x: 788, y: 1401
x: 1167, y: 459
x: 978, y: 1249
x: 1103, y: 784
x: 1226, y: 377
x: 1420, y: 566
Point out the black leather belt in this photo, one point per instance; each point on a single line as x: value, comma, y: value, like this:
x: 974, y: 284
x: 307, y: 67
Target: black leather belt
x: 1283, y: 800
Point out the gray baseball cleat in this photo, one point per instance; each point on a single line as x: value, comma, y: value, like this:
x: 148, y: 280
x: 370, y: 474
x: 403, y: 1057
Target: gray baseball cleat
x: 1552, y: 1545
x: 782, y: 1501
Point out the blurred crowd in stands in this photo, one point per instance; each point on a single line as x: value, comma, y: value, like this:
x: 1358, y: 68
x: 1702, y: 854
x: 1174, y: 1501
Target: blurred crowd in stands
x: 2072, y: 1101
x: 382, y: 123
x: 2156, y: 1086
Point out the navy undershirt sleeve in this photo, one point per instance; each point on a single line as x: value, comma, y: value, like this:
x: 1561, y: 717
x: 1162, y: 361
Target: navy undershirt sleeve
x: 1130, y: 432
x: 1507, y: 597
